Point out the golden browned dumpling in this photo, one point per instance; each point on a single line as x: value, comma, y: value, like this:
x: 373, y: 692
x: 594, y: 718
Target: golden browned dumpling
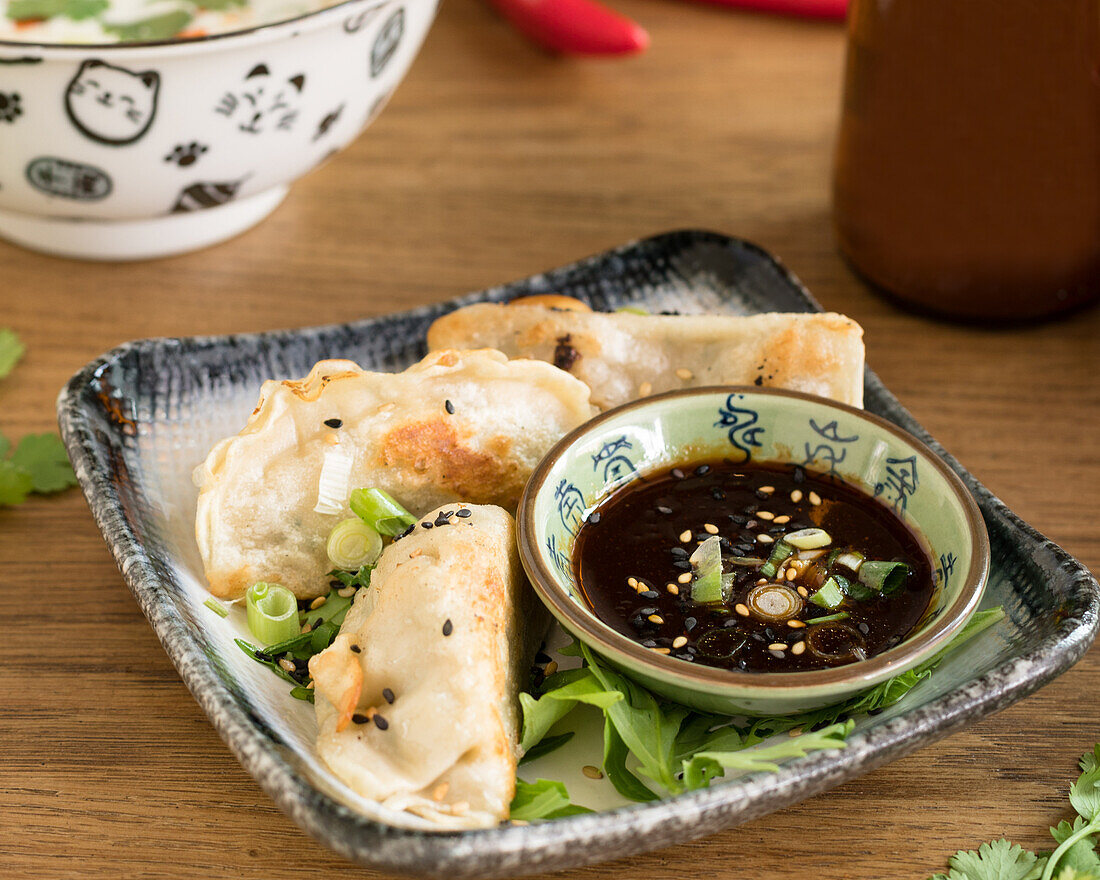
x: 623, y: 356
x: 417, y: 697
x: 467, y: 425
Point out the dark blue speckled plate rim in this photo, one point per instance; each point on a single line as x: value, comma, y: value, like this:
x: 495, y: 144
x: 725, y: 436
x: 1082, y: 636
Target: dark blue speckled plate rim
x: 96, y: 445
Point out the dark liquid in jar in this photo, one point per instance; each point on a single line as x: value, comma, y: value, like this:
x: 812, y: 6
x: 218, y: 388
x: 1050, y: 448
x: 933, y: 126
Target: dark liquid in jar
x: 638, y: 533
x: 968, y: 161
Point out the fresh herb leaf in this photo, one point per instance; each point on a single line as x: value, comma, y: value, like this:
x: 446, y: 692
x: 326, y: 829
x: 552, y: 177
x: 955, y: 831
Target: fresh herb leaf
x: 259, y: 656
x: 561, y: 693
x: 1081, y: 855
x: 614, y: 765
x: 11, y: 349
x: 544, y: 799
x: 1090, y: 760
x: 359, y: 578
x: 157, y: 27
x: 43, y: 456
x: 765, y: 758
x: 1084, y: 795
x: 333, y: 611
x: 77, y: 10
x: 546, y: 745
x: 999, y: 860
x: 15, y: 484
x: 302, y: 693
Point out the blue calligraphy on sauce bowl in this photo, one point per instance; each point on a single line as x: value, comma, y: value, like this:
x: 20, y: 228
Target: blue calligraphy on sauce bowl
x: 741, y: 426
x: 616, y: 464
x: 900, y: 483
x: 831, y: 450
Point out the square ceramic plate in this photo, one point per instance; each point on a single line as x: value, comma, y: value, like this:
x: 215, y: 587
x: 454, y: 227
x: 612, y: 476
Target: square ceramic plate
x: 137, y: 420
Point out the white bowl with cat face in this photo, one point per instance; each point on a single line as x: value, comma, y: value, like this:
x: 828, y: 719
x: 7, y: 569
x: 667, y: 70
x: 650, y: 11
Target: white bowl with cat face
x: 140, y: 150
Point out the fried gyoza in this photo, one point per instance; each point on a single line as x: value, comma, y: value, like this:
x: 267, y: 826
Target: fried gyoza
x: 417, y: 696
x: 467, y: 425
x: 623, y: 356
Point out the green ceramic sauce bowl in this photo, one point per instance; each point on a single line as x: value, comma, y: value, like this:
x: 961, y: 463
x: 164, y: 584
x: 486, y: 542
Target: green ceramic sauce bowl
x: 768, y: 425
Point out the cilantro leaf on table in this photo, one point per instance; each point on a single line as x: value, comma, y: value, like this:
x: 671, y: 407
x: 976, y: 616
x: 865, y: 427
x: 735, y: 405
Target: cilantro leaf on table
x: 11, y: 350
x: 15, y: 484
x: 43, y: 456
x: 1081, y: 854
x: 999, y: 860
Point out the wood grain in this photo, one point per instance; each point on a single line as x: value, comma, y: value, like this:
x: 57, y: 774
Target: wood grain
x: 493, y: 162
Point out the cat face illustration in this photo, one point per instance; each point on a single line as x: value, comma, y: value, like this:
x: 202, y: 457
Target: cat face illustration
x: 263, y: 102
x: 110, y: 104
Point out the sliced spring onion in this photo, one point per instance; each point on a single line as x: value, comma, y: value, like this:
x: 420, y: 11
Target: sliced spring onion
x: 831, y: 593
x: 773, y: 602
x: 294, y: 644
x: 886, y: 577
x: 829, y: 618
x: 810, y: 555
x: 808, y: 539
x: 217, y: 607
x: 380, y: 511
x: 858, y: 591
x: 781, y: 552
x: 835, y: 641
x: 707, y: 562
x: 272, y: 612
x: 353, y: 544
x: 745, y: 560
x: 851, y: 560
x: 332, y: 485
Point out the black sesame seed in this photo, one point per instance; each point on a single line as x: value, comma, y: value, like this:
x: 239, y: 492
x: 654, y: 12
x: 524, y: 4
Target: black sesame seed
x: 333, y: 423
x: 689, y: 623
x: 691, y: 649
x: 442, y: 520
x: 664, y: 511
x: 684, y: 656
x: 359, y: 719
x: 407, y: 531
x: 679, y: 552
x: 759, y: 637
x: 542, y: 657
x: 450, y: 407
x: 717, y: 494
x: 594, y: 517
x: 737, y: 519
x: 448, y: 627
x: 864, y: 628
x: 682, y: 564
x: 380, y: 722
x: 356, y: 649
x: 387, y: 695
x: 702, y: 469
x: 647, y: 610
x: 465, y: 512
x: 677, y: 474
x: 893, y: 640
x: 335, y: 585
x: 742, y: 664
x: 648, y: 643
x: 799, y: 475
x: 650, y: 594
x: 426, y: 525
x: 770, y: 633
x: 874, y: 711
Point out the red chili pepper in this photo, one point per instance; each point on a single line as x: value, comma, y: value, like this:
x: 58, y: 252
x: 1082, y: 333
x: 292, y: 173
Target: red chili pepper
x: 811, y: 8
x: 575, y: 27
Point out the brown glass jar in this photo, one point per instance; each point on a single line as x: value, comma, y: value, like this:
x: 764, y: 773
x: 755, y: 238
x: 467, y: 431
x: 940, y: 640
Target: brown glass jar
x: 968, y: 162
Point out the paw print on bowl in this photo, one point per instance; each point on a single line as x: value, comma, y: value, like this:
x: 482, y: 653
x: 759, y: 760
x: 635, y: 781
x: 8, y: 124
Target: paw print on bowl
x: 10, y: 108
x: 186, y: 154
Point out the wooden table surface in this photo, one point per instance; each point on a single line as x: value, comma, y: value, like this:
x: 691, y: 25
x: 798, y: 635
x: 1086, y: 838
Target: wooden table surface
x: 494, y: 162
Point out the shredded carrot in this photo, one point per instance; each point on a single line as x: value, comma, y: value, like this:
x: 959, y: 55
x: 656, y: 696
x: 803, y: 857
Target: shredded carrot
x: 25, y: 23
x: 193, y: 33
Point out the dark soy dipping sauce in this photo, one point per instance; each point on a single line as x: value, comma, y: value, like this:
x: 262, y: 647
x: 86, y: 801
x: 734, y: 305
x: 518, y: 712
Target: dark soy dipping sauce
x: 638, y: 535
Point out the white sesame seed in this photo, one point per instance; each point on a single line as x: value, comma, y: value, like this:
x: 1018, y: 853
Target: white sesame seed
x: 679, y: 641
x: 803, y: 592
x: 345, y: 592
x: 633, y: 582
x: 767, y: 490
x: 798, y: 647
x: 661, y: 651
x: 645, y: 389
x: 685, y: 578
x: 685, y: 536
x: 685, y: 374
x: 764, y: 514
x: 791, y: 574
x: 815, y: 499
x: 796, y: 496
x: 672, y: 588
x: 794, y: 731
x: 777, y: 646
x: 655, y: 618
x: 765, y: 539
x: 318, y: 602
x: 286, y: 665
x: 741, y: 609
x: 710, y: 528
x: 551, y: 668
x: 591, y: 772
x: 795, y: 624
x: 440, y: 791
x: 781, y: 520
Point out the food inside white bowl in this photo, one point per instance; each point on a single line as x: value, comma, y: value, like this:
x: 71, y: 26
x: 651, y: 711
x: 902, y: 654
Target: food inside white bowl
x: 132, y: 138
